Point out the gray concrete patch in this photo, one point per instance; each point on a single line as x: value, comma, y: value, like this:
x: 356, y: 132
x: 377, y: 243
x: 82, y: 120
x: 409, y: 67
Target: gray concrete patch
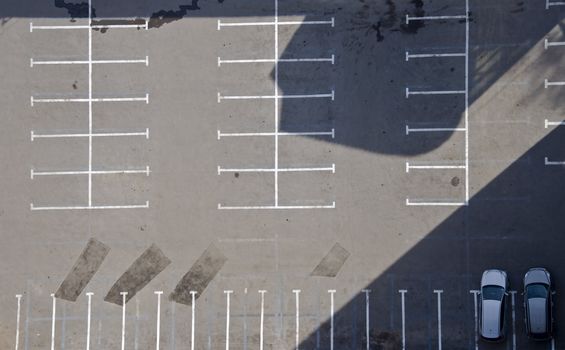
x: 199, y: 276
x: 139, y: 274
x: 83, y: 270
x: 332, y: 262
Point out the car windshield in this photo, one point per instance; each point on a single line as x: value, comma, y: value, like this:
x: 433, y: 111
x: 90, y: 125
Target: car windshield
x: 492, y: 293
x: 536, y: 291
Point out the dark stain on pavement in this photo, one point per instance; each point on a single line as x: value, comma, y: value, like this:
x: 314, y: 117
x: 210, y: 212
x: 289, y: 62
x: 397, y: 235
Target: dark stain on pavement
x: 167, y: 16
x: 75, y: 10
x: 199, y: 276
x: 332, y: 262
x: 140, y: 273
x: 83, y: 270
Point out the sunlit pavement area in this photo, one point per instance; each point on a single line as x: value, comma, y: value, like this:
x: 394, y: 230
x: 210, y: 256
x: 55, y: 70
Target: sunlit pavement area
x: 281, y: 174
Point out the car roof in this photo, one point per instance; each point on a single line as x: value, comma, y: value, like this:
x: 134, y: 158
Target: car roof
x: 490, y: 318
x: 537, y: 315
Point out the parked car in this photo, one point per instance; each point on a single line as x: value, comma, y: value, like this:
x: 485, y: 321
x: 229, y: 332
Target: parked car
x: 494, y: 290
x: 538, y: 304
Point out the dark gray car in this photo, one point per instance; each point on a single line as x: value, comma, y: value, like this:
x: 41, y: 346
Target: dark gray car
x: 538, y: 304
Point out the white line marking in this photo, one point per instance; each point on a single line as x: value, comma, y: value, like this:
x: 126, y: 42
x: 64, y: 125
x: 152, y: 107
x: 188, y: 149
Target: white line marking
x: 276, y: 56
x: 261, y: 338
x: 273, y: 60
x: 467, y: 11
x: 409, y: 130
x: 548, y: 44
x: 268, y: 207
x: 227, y: 293
x: 513, y: 297
x: 555, y: 3
x: 367, y: 335
x: 552, y: 343
x: 434, y: 92
x: 411, y: 166
x: 275, y: 23
x: 403, y: 305
x: 251, y: 134
x: 297, y: 318
x: 145, y: 171
x: 433, y: 55
x: 193, y: 318
x: 79, y: 62
x: 423, y: 18
x: 19, y: 297
x: 274, y: 170
x: 89, y: 295
x: 475, y: 293
x: 157, y: 343
x: 411, y: 202
x: 270, y: 97
x: 438, y: 292
x: 548, y: 83
x: 548, y: 162
x: 53, y: 321
x: 332, y: 309
x: 90, y: 99
x: 548, y: 123
x: 90, y: 104
x: 109, y: 26
x: 134, y: 206
x: 124, y: 295
x: 89, y: 135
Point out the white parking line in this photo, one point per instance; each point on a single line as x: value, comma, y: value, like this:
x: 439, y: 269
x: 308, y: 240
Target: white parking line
x: 513, y: 298
x: 261, y: 335
x: 54, y: 312
x: 446, y: 166
x: 412, y: 202
x: 89, y: 135
x: 273, y: 60
x: 475, y: 294
x: 19, y: 298
x: 548, y: 4
x: 193, y: 318
x: 409, y: 129
x: 145, y: 171
x: 274, y: 170
x: 438, y: 292
x: 434, y: 55
x: 124, y: 295
x: 548, y: 83
x: 367, y: 326
x: 332, y: 310
x: 252, y: 134
x: 79, y: 62
x: 108, y: 26
x: 548, y: 123
x: 403, y: 306
x: 89, y: 100
x: 274, y: 23
x: 297, y: 318
x: 425, y: 18
x: 548, y: 44
x: 275, y: 96
x: 434, y: 92
x: 552, y: 162
x: 158, y: 340
x: 89, y: 295
x: 267, y: 207
x: 227, y: 293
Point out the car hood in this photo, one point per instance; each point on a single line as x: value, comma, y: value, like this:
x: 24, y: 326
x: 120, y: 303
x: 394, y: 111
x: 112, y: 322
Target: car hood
x: 536, y: 276
x: 494, y: 277
x: 490, y: 322
x: 538, y: 320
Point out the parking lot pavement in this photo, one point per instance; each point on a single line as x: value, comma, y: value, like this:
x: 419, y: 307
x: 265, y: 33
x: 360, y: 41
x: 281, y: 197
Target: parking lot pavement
x: 147, y: 127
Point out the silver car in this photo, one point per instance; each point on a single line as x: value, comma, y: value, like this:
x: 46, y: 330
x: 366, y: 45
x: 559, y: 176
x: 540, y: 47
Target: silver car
x: 538, y: 304
x: 494, y: 290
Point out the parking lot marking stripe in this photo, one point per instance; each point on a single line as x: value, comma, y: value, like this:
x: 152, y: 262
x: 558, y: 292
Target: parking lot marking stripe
x: 411, y: 166
x: 274, y: 170
x: 193, y: 318
x: 433, y: 55
x: 297, y: 318
x: 513, y: 298
x: 227, y: 293
x: 554, y: 3
x: 424, y: 18
x: 274, y: 23
x: 267, y: 97
x: 261, y: 338
x: 412, y: 202
x: 145, y: 171
x: 367, y: 339
x: 332, y: 309
x: 53, y: 313
x: 124, y: 295
x: 285, y: 207
x: 276, y: 87
x: 552, y: 343
x: 90, y: 100
x: 158, y: 340
x: 89, y: 135
x: 467, y: 12
x: 409, y: 130
x: 403, y: 306
x: 548, y: 44
x: 108, y: 26
x: 475, y: 293
x: 302, y: 133
x: 434, y: 92
x: 552, y: 162
x: 90, y: 103
x: 89, y: 295
x: 548, y: 83
x: 548, y: 123
x: 19, y: 298
x: 284, y: 60
x: 78, y: 62
x: 439, y: 292
x: 133, y: 206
